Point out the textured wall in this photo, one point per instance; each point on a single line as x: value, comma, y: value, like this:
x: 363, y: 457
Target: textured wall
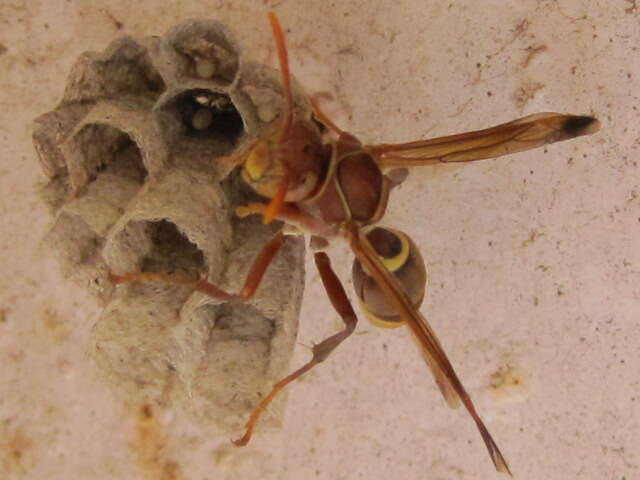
x: 533, y: 259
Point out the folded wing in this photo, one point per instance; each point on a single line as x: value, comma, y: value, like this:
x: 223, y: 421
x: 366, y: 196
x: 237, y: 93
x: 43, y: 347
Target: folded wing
x: 518, y: 135
x: 449, y: 383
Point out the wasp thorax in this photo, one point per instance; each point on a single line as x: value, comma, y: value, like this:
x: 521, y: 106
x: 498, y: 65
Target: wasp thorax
x: 403, y: 260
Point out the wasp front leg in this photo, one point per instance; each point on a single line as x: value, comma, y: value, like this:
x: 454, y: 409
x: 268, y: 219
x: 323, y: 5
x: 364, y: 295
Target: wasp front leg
x: 322, y: 350
x: 251, y: 284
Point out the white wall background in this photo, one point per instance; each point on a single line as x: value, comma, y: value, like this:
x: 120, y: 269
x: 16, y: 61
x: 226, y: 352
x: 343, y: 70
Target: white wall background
x: 534, y: 259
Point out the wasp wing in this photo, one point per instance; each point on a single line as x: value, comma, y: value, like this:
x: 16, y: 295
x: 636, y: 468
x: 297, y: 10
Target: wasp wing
x: 522, y: 134
x: 436, y: 358
x: 448, y: 392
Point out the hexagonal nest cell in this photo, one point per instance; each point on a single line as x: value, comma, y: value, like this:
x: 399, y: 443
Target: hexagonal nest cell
x: 199, y: 121
x: 203, y: 50
x: 130, y: 155
x: 125, y: 69
x: 172, y: 252
x: 207, y: 114
x: 106, y: 150
x: 129, y: 70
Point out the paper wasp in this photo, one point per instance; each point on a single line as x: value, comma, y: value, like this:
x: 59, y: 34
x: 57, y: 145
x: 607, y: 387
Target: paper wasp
x: 323, y: 181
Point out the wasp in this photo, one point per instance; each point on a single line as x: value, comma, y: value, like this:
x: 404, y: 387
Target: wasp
x: 321, y: 180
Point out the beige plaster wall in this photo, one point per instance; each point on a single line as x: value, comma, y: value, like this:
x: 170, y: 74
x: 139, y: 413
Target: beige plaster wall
x: 534, y: 259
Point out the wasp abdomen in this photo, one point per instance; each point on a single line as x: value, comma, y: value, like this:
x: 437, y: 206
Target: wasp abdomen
x: 403, y: 259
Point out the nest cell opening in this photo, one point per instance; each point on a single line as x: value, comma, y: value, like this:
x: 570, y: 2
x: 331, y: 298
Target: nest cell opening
x: 209, y: 56
x: 239, y: 321
x: 108, y: 150
x: 206, y: 114
x: 172, y: 252
x: 206, y: 120
x: 129, y: 70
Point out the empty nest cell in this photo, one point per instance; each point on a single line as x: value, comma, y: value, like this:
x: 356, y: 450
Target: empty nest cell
x: 171, y: 251
x: 123, y: 70
x: 127, y: 69
x: 158, y: 246
x: 239, y: 321
x: 108, y: 150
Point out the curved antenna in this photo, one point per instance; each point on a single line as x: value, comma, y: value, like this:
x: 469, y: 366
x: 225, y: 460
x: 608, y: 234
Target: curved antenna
x: 287, y: 114
x: 277, y: 202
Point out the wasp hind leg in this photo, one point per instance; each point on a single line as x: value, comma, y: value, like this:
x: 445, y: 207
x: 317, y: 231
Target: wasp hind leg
x: 322, y: 350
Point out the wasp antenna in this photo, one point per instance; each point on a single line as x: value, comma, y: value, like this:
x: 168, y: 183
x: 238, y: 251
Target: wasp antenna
x: 277, y: 201
x: 287, y: 114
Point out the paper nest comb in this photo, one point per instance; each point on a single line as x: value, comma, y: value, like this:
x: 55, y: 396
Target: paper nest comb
x: 130, y: 155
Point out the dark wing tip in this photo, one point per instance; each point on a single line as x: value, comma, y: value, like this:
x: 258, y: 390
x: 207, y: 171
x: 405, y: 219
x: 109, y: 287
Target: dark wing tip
x: 578, y: 125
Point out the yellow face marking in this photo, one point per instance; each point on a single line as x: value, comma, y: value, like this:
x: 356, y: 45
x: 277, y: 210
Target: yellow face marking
x: 257, y: 161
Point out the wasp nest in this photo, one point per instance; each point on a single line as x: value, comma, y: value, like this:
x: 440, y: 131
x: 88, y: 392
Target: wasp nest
x: 134, y: 184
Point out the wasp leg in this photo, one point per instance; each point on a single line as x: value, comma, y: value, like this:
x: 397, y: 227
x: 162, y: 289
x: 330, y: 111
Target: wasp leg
x: 322, y: 350
x: 251, y: 284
